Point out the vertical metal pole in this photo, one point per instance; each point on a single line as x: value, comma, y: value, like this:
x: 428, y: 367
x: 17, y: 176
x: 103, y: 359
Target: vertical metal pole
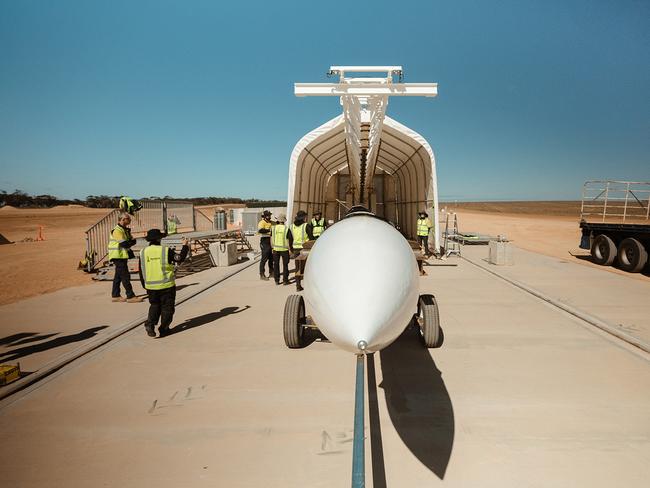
x: 358, y: 451
x: 605, y: 204
x: 164, y: 217
x: 627, y: 194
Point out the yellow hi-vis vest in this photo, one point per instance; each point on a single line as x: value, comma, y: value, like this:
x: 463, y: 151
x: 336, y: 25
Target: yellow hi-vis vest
x: 423, y: 227
x: 171, y: 226
x: 318, y: 226
x: 118, y: 234
x: 158, y: 274
x: 263, y: 224
x: 279, y: 239
x: 299, y: 233
x: 126, y: 204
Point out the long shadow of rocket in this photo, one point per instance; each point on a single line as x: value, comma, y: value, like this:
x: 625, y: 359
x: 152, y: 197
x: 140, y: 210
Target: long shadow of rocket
x: 418, y: 402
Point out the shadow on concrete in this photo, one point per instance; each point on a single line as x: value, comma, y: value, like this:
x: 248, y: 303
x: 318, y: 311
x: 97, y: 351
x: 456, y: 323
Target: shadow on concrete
x: 180, y: 287
x: 44, y: 346
x: 376, y: 442
x: 645, y: 271
x: 418, y: 402
x: 35, y: 338
x: 8, y: 340
x: 312, y: 335
x: 206, y: 319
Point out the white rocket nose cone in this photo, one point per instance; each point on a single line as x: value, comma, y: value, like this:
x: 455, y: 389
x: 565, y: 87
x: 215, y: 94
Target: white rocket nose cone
x: 361, y: 283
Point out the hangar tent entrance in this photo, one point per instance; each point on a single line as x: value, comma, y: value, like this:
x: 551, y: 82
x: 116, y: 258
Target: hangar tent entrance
x: 363, y: 157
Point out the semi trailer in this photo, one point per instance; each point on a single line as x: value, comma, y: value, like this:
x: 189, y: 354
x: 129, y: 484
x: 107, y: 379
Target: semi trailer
x: 615, y: 223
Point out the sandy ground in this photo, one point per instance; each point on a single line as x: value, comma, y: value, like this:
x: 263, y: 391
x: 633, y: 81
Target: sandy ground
x: 34, y: 268
x: 556, y: 236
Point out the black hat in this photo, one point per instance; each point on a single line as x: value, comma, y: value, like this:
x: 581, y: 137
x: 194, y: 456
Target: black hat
x: 318, y: 212
x: 266, y: 213
x: 301, y: 213
x: 154, y: 235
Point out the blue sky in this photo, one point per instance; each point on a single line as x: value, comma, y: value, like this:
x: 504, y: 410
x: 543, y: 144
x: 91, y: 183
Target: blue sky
x: 195, y: 98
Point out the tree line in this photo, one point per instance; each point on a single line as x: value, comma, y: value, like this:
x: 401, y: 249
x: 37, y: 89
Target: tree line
x: 20, y: 199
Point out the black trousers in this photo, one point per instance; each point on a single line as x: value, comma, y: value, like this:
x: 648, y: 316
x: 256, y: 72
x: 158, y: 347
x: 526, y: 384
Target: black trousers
x: 161, y: 307
x: 424, y: 242
x: 267, y: 255
x: 122, y: 276
x: 284, y: 256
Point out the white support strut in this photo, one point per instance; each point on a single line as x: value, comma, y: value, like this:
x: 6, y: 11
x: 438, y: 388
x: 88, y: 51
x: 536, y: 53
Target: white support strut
x: 364, y: 92
x: 364, y: 101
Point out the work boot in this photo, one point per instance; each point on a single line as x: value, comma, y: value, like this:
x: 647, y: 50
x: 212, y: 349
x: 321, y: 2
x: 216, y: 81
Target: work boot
x: 286, y: 282
x: 163, y: 331
x: 263, y: 277
x: 118, y: 299
x: 150, y: 330
x: 299, y: 287
x: 277, y: 282
x: 134, y: 299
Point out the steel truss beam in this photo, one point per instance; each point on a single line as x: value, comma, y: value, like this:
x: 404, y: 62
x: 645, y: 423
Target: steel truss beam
x: 364, y: 101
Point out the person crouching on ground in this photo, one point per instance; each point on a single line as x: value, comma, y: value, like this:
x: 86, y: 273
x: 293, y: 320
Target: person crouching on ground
x: 119, y: 252
x: 157, y: 276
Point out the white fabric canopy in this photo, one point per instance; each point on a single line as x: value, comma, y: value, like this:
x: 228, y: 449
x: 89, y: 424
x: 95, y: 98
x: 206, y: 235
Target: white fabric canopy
x: 404, y: 159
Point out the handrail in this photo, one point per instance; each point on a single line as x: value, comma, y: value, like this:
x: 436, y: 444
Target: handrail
x: 154, y: 214
x: 615, y: 200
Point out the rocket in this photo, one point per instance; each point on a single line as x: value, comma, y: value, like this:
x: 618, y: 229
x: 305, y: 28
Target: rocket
x: 361, y: 283
x: 361, y: 288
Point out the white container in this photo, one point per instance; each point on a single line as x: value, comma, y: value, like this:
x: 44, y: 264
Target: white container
x: 500, y: 253
x: 224, y: 253
x: 250, y: 219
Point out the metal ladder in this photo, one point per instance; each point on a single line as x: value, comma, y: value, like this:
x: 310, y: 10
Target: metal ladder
x: 450, y: 244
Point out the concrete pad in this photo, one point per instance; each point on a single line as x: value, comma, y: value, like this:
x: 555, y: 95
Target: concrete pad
x: 618, y: 299
x: 37, y: 330
x: 520, y: 394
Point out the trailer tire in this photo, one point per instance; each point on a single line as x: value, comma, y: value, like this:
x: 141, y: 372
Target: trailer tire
x: 429, y: 320
x: 632, y: 256
x: 603, y: 250
x: 294, y: 319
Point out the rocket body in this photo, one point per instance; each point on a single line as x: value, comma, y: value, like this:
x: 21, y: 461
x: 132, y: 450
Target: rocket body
x: 361, y: 283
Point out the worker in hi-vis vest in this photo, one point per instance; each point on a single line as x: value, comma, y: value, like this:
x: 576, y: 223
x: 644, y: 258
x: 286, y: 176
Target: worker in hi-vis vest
x: 129, y: 205
x: 318, y: 224
x: 157, y: 276
x: 264, y: 230
x: 423, y: 229
x: 119, y: 252
x: 299, y: 233
x: 172, y: 224
x: 280, y: 246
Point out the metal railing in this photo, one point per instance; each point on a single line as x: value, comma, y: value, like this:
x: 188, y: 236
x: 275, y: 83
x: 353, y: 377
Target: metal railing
x: 614, y: 201
x: 201, y: 221
x: 153, y: 215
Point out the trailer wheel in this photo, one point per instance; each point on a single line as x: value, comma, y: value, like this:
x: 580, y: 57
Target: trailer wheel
x: 632, y: 256
x: 603, y: 250
x: 294, y: 319
x: 429, y: 320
